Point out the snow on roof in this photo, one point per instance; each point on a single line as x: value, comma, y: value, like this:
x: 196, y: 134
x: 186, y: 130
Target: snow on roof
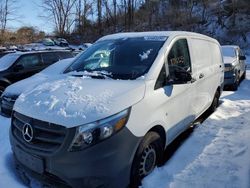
x: 230, y: 46
x: 153, y: 33
x: 40, y: 51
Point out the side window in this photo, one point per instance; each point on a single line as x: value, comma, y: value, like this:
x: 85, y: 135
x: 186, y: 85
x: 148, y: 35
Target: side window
x: 64, y: 55
x: 49, y: 58
x: 162, y: 79
x: 179, y: 58
x: 237, y: 52
x: 31, y: 60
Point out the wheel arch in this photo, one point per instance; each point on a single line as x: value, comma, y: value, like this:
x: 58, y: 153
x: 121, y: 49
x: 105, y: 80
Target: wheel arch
x: 219, y: 89
x: 161, y: 131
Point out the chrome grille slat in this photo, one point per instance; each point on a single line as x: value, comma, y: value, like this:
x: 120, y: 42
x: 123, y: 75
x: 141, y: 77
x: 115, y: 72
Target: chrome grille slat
x: 51, y: 140
x: 22, y: 118
x: 47, y: 137
x: 35, y: 147
x: 18, y: 125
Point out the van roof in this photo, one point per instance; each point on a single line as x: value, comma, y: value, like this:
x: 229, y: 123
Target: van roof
x: 230, y: 46
x: 154, y: 33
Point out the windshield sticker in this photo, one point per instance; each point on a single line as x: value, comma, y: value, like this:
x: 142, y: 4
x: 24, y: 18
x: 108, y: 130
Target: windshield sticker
x: 155, y: 38
x: 145, y: 55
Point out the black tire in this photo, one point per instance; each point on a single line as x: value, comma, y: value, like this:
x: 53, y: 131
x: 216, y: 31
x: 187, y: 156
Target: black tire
x: 236, y: 83
x: 215, y: 102
x: 243, y: 76
x: 148, y: 155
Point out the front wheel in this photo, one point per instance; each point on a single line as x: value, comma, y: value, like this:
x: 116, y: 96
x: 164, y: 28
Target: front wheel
x: 236, y: 83
x: 148, y: 155
x: 244, y: 76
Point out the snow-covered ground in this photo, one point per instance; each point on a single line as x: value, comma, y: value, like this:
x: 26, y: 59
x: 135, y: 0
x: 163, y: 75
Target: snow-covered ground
x: 216, y: 154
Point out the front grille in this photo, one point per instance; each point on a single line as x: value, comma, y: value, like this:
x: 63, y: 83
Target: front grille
x: 47, y: 137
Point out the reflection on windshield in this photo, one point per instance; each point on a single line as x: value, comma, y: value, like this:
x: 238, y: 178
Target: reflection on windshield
x: 7, y: 60
x: 127, y: 58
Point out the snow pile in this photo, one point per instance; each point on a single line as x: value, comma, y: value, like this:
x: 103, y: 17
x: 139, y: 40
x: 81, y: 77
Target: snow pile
x: 8, y: 178
x: 145, y: 55
x: 217, y: 153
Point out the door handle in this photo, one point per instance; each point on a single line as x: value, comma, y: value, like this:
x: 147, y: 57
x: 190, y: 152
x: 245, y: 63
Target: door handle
x: 201, y: 75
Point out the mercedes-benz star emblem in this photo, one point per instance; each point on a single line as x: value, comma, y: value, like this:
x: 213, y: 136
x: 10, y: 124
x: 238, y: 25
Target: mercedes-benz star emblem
x: 27, y: 132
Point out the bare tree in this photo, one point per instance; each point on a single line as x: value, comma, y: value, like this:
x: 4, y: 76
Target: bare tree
x: 99, y: 15
x: 62, y: 13
x: 84, y: 9
x: 115, y: 13
x: 7, y: 13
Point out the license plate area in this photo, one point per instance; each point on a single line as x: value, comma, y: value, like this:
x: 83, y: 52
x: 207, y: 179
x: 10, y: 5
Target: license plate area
x: 30, y: 161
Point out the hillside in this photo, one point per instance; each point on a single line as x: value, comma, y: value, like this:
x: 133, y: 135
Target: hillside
x: 226, y: 20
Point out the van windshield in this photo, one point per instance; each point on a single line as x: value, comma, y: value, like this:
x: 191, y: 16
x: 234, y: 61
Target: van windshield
x: 7, y: 61
x: 228, y: 52
x: 126, y: 58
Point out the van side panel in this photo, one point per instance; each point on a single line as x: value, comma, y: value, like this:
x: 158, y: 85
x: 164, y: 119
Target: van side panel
x: 207, y: 62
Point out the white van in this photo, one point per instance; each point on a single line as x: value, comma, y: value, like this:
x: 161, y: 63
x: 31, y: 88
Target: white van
x: 108, y: 119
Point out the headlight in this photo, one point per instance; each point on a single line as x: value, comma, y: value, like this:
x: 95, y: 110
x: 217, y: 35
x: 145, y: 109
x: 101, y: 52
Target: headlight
x: 92, y: 133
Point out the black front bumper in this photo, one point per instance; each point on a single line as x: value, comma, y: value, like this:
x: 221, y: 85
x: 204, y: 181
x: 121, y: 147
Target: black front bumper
x: 229, y: 78
x: 106, y: 164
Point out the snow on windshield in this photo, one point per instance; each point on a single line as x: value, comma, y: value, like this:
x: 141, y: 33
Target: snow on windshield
x: 145, y: 55
x: 228, y: 51
x: 7, y: 60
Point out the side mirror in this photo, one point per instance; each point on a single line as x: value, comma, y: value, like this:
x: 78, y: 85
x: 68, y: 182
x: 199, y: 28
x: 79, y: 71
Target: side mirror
x: 18, y: 68
x: 242, y: 57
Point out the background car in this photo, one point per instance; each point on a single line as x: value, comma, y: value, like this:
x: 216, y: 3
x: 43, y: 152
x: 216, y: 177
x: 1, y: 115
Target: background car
x: 235, y: 66
x: 61, y: 42
x: 84, y: 46
x: 3, y: 53
x: 21, y: 65
x: 12, y: 92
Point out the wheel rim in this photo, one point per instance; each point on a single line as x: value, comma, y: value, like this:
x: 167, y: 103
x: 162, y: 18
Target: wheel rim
x: 148, y: 161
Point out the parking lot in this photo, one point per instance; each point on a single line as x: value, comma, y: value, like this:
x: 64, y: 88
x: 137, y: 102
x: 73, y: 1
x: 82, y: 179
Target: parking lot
x: 212, y: 154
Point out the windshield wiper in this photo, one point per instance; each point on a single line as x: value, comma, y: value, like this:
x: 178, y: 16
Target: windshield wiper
x: 93, y: 74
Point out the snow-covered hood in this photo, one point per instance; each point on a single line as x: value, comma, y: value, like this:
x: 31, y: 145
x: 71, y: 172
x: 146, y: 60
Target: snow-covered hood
x: 72, y: 101
x: 229, y: 60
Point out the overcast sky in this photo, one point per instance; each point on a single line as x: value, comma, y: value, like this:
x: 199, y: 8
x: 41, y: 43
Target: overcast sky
x: 28, y: 14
